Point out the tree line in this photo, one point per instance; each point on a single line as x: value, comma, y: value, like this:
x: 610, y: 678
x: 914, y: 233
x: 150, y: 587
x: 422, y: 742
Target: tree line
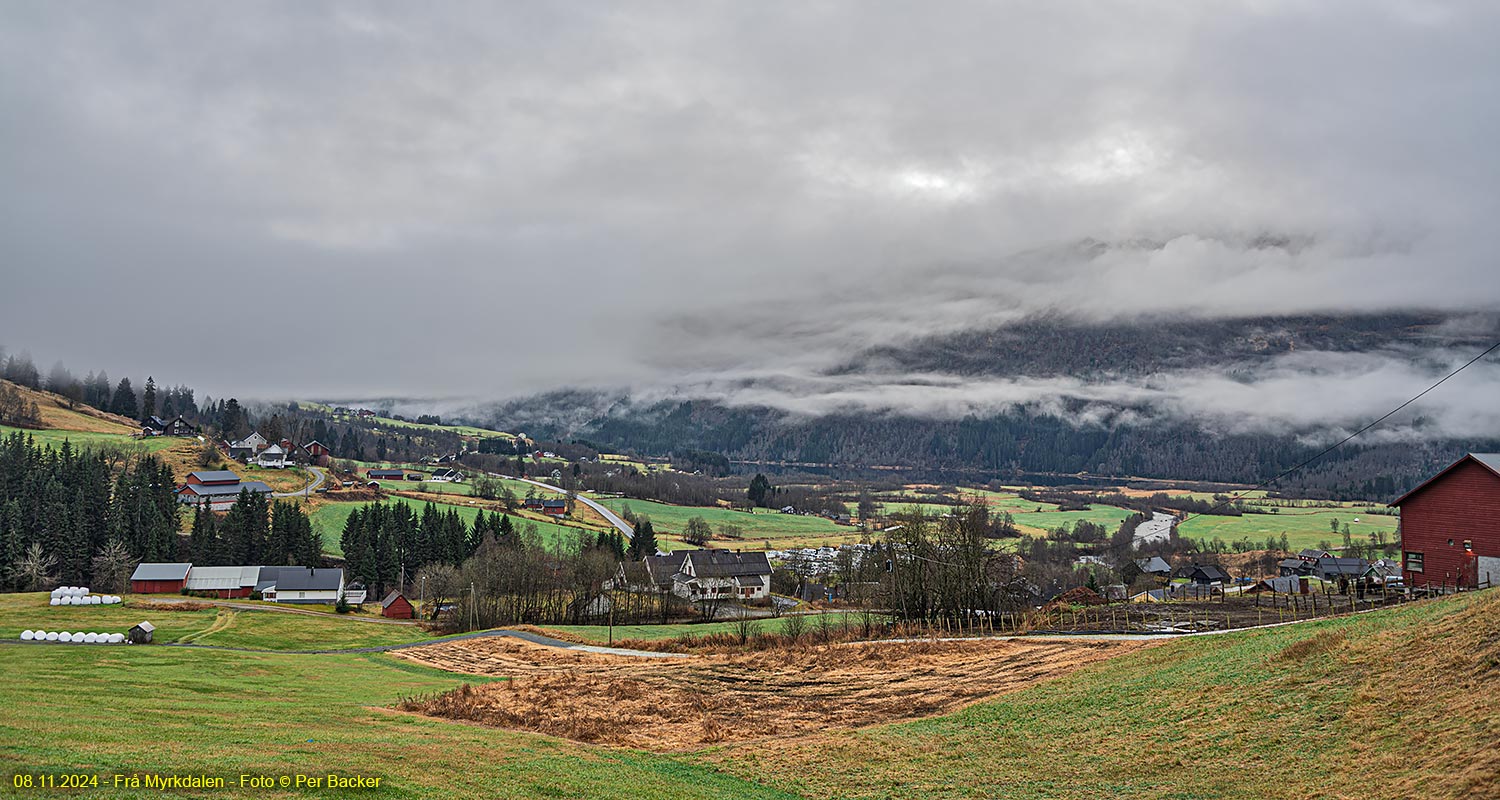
x: 63, y: 508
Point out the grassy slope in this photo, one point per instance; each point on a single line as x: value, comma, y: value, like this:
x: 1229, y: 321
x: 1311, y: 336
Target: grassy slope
x: 1391, y: 704
x: 80, y: 438
x: 269, y: 630
x: 172, y: 710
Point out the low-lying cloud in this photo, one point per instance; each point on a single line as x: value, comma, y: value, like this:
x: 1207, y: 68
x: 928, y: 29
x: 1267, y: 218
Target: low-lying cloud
x: 729, y: 200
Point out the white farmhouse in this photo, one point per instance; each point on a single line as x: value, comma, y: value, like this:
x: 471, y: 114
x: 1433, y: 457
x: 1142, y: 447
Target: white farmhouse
x: 723, y: 574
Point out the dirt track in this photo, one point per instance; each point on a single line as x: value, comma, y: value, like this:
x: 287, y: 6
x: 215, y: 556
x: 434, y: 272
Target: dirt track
x: 687, y: 703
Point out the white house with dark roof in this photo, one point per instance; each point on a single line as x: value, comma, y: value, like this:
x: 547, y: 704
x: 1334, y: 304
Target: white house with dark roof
x: 723, y: 574
x: 248, y: 447
x: 274, y: 456
x: 301, y: 585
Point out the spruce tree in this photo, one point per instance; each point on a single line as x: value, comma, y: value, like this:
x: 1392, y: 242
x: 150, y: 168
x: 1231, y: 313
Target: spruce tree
x: 123, y: 401
x: 148, y: 399
x: 643, y: 543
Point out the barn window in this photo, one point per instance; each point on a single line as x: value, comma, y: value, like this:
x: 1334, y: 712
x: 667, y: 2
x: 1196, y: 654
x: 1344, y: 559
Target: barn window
x: 1469, y: 545
x: 1414, y: 562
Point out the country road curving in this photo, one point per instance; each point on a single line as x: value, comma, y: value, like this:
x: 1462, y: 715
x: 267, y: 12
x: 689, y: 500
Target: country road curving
x: 306, y: 491
x: 620, y: 525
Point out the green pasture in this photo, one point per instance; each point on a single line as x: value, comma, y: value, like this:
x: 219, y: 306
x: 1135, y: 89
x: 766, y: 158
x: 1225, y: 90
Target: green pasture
x: 763, y: 524
x: 1303, y: 528
x: 151, y: 444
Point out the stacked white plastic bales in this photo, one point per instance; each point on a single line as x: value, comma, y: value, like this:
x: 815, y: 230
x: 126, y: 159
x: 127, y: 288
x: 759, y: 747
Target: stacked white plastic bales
x: 73, y: 638
x: 79, y: 596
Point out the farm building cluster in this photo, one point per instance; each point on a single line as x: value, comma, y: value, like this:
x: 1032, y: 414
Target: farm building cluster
x: 701, y: 575
x: 255, y: 449
x: 375, y: 475
x: 295, y: 585
x: 217, y: 489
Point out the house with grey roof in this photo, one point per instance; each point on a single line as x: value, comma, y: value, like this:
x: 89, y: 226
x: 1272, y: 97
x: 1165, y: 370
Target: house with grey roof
x: 159, y: 578
x: 301, y: 585
x: 723, y: 575
x: 274, y: 456
x: 248, y: 447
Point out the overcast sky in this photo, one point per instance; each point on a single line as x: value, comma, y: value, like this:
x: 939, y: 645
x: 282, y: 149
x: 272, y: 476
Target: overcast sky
x: 479, y: 200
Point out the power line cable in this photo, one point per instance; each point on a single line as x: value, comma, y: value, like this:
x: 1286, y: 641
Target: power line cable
x: 1340, y: 443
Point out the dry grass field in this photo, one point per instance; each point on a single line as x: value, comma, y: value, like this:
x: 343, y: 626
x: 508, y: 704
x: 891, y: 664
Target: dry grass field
x: 670, y: 705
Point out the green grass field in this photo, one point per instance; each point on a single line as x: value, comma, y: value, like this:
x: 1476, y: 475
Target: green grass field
x: 223, y: 627
x: 1303, y: 528
x: 763, y: 524
x: 86, y: 438
x: 183, y: 711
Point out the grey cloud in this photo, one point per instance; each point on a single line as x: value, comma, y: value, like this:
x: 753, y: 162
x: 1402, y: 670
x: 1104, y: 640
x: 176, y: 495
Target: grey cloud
x: 481, y: 200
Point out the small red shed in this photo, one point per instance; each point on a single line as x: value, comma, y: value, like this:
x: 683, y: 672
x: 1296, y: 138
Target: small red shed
x: 1450, y: 526
x: 159, y: 578
x: 396, y: 606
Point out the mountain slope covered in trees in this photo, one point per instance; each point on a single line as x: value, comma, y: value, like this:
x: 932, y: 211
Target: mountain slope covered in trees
x: 1065, y: 434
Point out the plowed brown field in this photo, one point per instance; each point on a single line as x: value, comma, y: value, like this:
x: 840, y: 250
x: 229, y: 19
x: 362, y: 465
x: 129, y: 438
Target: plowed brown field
x: 668, y: 705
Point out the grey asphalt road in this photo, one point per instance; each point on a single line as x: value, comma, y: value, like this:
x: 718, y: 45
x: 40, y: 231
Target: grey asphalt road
x: 621, y: 525
x: 318, y: 478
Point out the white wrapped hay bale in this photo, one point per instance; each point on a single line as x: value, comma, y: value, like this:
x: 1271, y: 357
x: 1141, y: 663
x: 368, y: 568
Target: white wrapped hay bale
x: 95, y: 600
x: 53, y: 636
x: 90, y: 638
x: 27, y: 636
x: 64, y: 637
x: 55, y: 601
x: 116, y: 638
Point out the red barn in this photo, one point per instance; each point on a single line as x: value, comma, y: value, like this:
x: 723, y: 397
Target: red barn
x: 218, y: 477
x: 396, y: 606
x: 159, y: 578
x: 1450, y: 525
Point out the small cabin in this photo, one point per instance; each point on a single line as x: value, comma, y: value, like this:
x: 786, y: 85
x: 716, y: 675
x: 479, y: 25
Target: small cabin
x: 396, y: 606
x: 141, y: 633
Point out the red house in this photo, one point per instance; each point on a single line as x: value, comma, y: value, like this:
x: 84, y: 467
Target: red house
x: 396, y: 606
x: 317, y: 452
x: 1450, y: 526
x: 159, y: 578
x: 555, y: 508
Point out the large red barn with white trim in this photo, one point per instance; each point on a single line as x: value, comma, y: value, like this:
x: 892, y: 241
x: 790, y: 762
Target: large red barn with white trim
x: 1450, y: 526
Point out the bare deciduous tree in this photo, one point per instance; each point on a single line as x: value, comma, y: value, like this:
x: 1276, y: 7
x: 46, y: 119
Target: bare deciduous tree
x: 36, y: 569
x: 113, y: 566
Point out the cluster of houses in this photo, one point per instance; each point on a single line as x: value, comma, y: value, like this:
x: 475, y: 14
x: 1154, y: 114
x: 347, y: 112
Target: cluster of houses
x: 440, y: 475
x: 699, y: 575
x: 295, y: 585
x: 216, y: 489
x: 177, y: 426
x: 256, y: 449
x: 548, y: 506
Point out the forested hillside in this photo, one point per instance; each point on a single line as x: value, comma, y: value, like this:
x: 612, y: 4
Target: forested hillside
x: 1063, y: 434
